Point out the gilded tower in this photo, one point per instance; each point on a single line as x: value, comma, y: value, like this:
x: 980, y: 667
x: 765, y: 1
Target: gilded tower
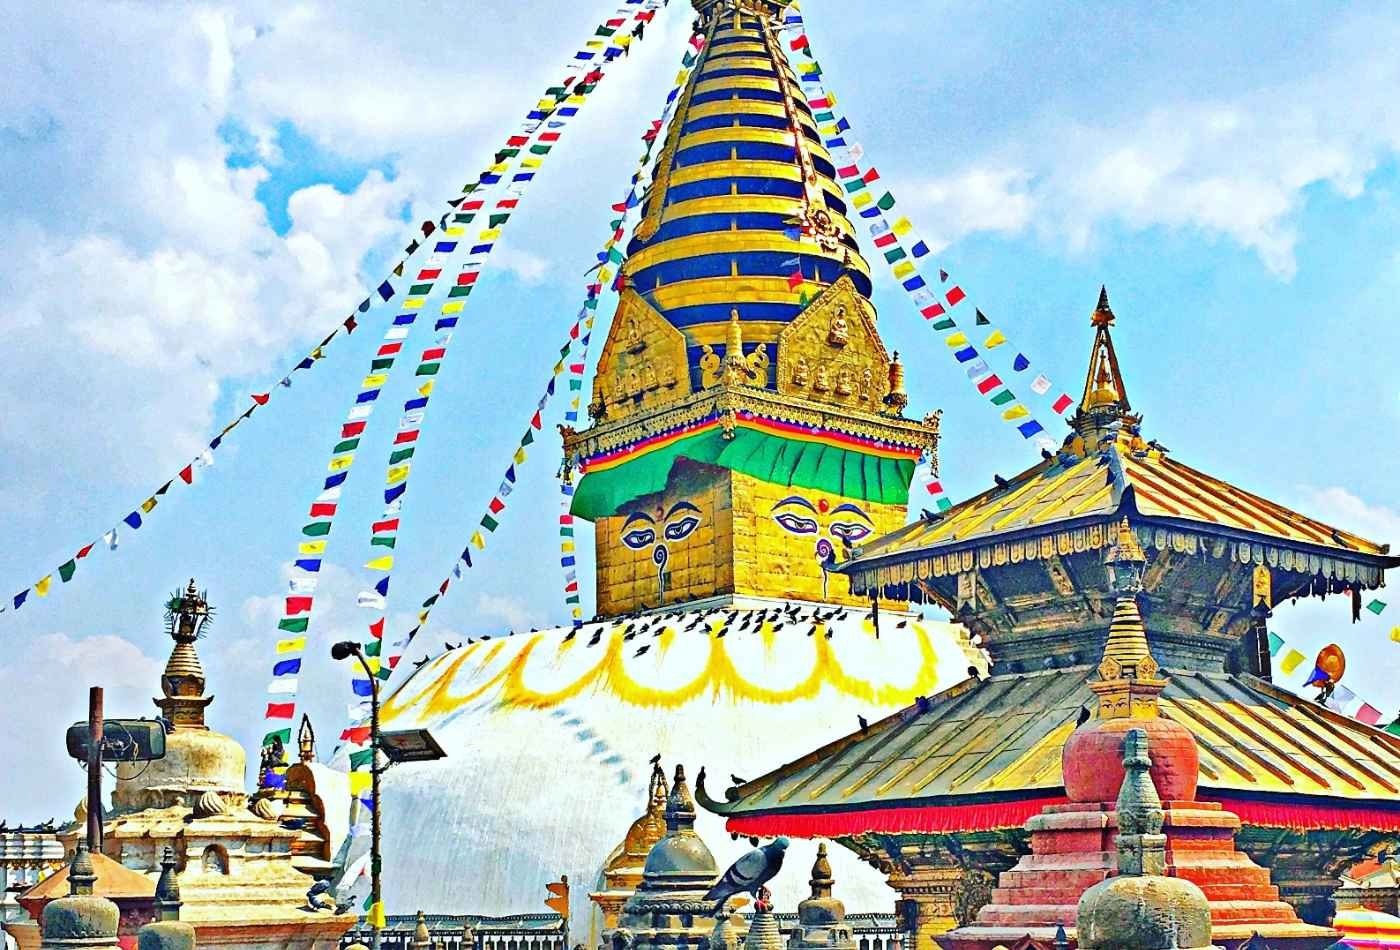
x: 747, y: 419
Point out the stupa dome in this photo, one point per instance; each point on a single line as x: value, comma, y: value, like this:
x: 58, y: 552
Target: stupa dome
x: 548, y: 737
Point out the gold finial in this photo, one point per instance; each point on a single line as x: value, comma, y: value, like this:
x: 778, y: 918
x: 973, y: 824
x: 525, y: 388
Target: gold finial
x: 1128, y: 684
x: 897, y: 399
x: 306, y: 740
x: 736, y: 369
x: 1105, y: 396
x: 187, y: 615
x: 822, y: 880
x: 1103, y: 313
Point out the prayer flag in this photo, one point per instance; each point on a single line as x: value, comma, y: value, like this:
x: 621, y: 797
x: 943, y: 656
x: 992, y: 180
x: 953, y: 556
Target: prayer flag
x: 291, y: 645
x: 385, y: 563
x: 1040, y: 385
x: 1062, y: 403
x: 994, y: 339
x: 1291, y: 660
x: 955, y: 296
x: 281, y: 711
x: 982, y: 320
x: 988, y: 384
x: 1376, y: 607
x: 41, y: 587
x: 66, y: 570
x: 1017, y: 411
x: 292, y: 625
x: 1020, y: 364
x: 1368, y: 714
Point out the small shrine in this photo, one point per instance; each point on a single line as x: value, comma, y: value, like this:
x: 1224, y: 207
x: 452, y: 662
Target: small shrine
x: 231, y: 857
x: 623, y: 870
x: 821, y: 918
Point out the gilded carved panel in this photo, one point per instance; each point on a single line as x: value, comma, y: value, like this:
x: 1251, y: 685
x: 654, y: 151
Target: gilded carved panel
x: 832, y: 353
x: 643, y: 362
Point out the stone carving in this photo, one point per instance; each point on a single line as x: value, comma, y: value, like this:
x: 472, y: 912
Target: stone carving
x: 709, y: 367
x: 822, y: 382
x: 839, y: 333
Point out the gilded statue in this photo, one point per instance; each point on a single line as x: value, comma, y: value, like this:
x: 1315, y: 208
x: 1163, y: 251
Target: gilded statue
x: 867, y: 384
x: 843, y: 382
x: 800, y: 372
x: 839, y: 333
x: 649, y: 381
x: 668, y: 374
x: 634, y: 382
x: 632, y: 340
x: 758, y: 365
x: 709, y: 367
x: 822, y: 382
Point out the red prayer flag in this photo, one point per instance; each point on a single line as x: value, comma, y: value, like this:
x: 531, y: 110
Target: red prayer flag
x: 261, y: 398
x: 517, y: 140
x: 885, y: 240
x: 955, y: 296
x: 410, y: 436
x: 376, y: 629
x: 1062, y: 403
x: 934, y: 310
x: 496, y: 506
x: 282, y: 711
x: 795, y: 280
x: 870, y: 177
x: 1368, y: 714
x: 473, y: 205
x: 848, y: 171
x: 430, y: 273
x: 390, y: 524
x: 535, y: 421
x: 356, y: 734
x: 799, y: 43
x: 467, y: 278
x: 433, y: 353
x: 83, y: 553
x: 935, y: 487
x: 571, y: 587
x: 298, y: 605
x: 988, y: 384
x: 389, y: 349
x: 352, y: 429
x: 507, y: 202
x: 187, y: 474
x: 322, y: 509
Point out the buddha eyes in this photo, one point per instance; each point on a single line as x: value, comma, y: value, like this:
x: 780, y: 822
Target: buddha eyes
x: 677, y: 530
x: 849, y: 531
x: 796, y: 523
x: 638, y: 538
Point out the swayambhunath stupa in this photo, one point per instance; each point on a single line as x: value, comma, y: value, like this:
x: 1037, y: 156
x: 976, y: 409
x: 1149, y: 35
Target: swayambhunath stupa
x: 1054, y: 714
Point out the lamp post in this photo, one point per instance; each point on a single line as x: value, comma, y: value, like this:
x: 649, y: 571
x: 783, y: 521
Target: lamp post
x: 341, y: 651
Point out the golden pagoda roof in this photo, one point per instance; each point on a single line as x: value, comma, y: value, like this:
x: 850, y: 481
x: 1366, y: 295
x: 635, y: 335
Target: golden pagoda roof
x: 1001, y: 738
x: 1106, y: 470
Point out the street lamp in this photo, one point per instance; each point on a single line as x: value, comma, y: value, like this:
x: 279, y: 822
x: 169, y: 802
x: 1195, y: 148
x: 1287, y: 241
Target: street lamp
x: 410, y: 745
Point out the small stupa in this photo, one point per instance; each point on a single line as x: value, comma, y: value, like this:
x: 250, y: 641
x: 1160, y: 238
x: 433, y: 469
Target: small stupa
x: 82, y: 919
x: 669, y: 910
x: 622, y: 872
x: 1073, y: 845
x: 821, y: 918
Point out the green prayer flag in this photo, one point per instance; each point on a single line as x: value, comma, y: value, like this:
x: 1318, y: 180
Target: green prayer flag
x: 886, y: 202
x: 316, y: 529
x: 65, y: 571
x: 1003, y: 397
x: 284, y: 734
x: 895, y: 253
x: 294, y: 624
x: 361, y: 758
x: 384, y: 673
x: 946, y: 323
x: 615, y: 255
x: 374, y: 647
x: 464, y: 218
x: 345, y: 446
x: 1275, y: 644
x: 489, y: 523
x: 428, y: 369
x: 498, y: 219
x: 399, y: 455
x: 540, y: 149
x: 1376, y: 607
x: 384, y: 541
x: 384, y: 363
x: 566, y: 532
x: 854, y: 185
x: 529, y: 438
x: 575, y: 384
x: 825, y: 117
x: 459, y: 291
x: 418, y: 290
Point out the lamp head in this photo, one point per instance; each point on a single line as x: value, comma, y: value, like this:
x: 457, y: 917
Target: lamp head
x: 344, y: 649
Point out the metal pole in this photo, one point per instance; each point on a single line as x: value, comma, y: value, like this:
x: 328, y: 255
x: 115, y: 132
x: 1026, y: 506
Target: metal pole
x: 375, y: 894
x: 94, y: 770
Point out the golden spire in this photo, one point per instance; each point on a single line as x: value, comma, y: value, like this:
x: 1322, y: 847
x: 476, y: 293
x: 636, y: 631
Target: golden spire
x: 1103, y: 386
x: 306, y: 740
x: 1128, y: 684
x: 183, y: 680
x: 647, y: 829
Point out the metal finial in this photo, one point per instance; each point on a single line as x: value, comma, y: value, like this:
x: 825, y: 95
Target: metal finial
x: 81, y: 875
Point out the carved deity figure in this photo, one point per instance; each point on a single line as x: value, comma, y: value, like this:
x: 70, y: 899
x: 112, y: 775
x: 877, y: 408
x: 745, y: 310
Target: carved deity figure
x: 649, y: 377
x: 668, y: 374
x: 867, y: 384
x: 758, y: 365
x: 801, y: 373
x: 822, y: 382
x: 632, y: 336
x: 709, y: 366
x: 843, y: 382
x: 839, y: 333
x: 634, y: 382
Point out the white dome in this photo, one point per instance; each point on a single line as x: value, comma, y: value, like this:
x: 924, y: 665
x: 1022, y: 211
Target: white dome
x: 548, y: 737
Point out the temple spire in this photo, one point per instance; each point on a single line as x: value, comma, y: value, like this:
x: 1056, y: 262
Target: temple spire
x: 1103, y: 386
x: 1128, y: 684
x: 182, y: 682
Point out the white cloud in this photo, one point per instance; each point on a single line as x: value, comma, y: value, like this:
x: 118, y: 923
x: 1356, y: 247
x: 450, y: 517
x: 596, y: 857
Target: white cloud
x: 1340, y: 508
x: 513, y: 613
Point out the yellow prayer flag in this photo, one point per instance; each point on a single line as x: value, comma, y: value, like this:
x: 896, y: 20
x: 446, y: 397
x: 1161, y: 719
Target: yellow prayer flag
x: 385, y: 563
x: 576, y: 99
x: 604, y: 275
x: 397, y: 473
x: 291, y: 645
x: 426, y: 389
x: 477, y: 540
x: 499, y: 167
x: 520, y: 455
x: 375, y: 918
x: 374, y: 380
x: 360, y: 782
x: 422, y: 616
x: 1395, y: 634
x: 994, y: 340
x: 531, y: 162
x: 373, y: 663
x: 566, y: 547
x: 414, y: 303
x: 317, y: 353
x: 455, y: 231
x: 956, y: 339
x: 453, y: 306
x: 42, y: 586
x: 490, y: 234
x: 1291, y: 660
x: 311, y: 547
x: 1017, y: 411
x: 902, y: 226
x: 902, y: 270
x: 148, y: 504
x: 828, y: 131
x: 862, y: 199
x: 341, y: 462
x: 594, y: 44
x: 623, y: 41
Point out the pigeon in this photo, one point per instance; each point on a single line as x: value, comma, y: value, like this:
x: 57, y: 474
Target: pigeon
x: 655, y: 759
x: 318, y: 896
x: 455, y: 646
x: 418, y: 664
x: 642, y: 649
x: 737, y: 780
x: 1083, y: 716
x: 974, y: 673
x: 930, y: 517
x: 1001, y: 482
x: 1045, y: 454
x: 748, y: 874
x: 864, y: 725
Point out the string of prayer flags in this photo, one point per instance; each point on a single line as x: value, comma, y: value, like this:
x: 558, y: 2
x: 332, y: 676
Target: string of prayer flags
x: 415, y: 409
x: 903, y: 250
x: 1288, y: 660
x: 307, y: 566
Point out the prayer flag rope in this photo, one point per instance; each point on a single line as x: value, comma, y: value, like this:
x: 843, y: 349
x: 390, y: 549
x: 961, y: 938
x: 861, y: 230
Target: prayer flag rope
x: 902, y: 248
x: 509, y: 166
x: 1341, y: 700
x: 384, y: 531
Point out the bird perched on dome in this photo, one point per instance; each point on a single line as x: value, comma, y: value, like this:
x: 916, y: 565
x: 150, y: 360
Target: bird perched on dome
x: 748, y: 874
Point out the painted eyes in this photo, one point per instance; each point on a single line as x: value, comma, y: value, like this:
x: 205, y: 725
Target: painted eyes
x: 638, y: 538
x: 849, y: 531
x: 677, y: 530
x: 796, y: 523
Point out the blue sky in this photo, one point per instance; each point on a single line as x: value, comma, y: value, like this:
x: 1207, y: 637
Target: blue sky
x: 188, y: 208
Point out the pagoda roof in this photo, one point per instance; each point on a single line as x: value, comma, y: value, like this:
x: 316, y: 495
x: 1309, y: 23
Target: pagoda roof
x: 985, y: 755
x: 1104, y: 470
x: 115, y: 881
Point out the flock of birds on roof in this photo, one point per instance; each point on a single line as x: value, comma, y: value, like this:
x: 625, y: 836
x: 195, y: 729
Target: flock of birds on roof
x: 733, y: 619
